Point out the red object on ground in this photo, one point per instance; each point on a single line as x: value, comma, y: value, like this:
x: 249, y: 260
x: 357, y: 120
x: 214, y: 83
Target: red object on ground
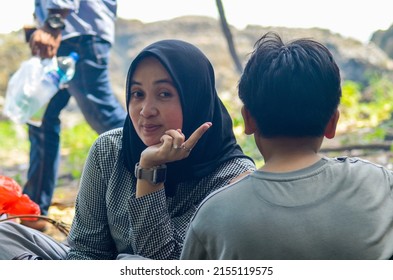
x: 13, y: 202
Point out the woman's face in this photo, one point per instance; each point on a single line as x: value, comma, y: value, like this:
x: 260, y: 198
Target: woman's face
x: 154, y: 105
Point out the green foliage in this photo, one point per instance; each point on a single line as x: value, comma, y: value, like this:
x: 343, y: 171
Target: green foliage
x: 379, y: 133
x: 11, y: 144
x: 75, y: 143
x: 246, y: 142
x: 368, y: 107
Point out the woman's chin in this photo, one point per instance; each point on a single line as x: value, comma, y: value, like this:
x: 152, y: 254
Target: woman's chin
x: 151, y: 142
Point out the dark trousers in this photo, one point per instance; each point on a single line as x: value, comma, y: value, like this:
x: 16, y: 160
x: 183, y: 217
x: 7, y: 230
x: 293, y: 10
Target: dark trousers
x: 94, y: 95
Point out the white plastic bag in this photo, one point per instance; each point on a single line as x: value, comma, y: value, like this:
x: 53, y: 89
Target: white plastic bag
x: 24, y: 95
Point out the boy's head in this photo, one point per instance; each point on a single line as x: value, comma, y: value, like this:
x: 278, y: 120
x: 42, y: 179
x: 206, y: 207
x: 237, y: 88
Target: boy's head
x: 290, y: 90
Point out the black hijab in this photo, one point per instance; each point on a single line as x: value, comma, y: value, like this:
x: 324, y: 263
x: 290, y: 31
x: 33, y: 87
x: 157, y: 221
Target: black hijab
x: 193, y: 76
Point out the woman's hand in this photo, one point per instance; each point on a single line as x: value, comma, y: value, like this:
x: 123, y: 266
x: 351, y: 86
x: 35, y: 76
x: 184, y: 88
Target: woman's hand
x: 173, y: 147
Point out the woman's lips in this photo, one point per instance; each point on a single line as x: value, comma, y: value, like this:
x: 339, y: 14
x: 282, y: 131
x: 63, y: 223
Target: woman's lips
x: 149, y: 128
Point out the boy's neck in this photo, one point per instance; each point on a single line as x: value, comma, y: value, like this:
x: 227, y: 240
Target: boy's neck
x: 289, y: 154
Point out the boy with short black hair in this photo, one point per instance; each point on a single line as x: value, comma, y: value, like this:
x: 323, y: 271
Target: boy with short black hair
x: 300, y: 204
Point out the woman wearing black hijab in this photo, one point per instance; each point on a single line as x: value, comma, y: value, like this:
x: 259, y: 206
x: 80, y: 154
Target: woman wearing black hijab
x: 141, y: 184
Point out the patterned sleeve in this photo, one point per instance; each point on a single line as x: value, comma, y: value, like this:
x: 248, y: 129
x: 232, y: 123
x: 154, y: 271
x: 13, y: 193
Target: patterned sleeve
x: 158, y: 236
x: 154, y: 233
x: 90, y: 238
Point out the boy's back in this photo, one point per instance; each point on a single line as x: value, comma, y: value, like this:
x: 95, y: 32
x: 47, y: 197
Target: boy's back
x: 334, y: 209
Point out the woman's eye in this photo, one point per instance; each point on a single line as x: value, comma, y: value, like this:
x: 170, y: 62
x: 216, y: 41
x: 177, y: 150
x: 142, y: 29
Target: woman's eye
x: 136, y: 94
x: 165, y: 94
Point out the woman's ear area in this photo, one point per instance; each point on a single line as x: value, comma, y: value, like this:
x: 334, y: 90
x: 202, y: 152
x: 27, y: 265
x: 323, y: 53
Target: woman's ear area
x: 330, y: 130
x: 250, y: 126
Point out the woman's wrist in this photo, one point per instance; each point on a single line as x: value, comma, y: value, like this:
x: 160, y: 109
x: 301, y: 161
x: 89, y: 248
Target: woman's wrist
x: 144, y: 162
x: 150, y: 177
x: 145, y: 187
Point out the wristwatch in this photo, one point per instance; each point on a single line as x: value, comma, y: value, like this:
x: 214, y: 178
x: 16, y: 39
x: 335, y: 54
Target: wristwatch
x: 55, y: 22
x: 155, y: 175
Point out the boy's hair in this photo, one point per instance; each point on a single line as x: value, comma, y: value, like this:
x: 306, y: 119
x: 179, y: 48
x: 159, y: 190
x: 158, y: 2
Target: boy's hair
x: 291, y: 90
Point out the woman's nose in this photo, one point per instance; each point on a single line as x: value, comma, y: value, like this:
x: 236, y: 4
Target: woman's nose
x: 148, y: 109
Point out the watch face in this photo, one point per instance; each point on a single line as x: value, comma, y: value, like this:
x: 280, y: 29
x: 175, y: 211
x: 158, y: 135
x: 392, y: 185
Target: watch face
x: 159, y: 176
x: 55, y: 21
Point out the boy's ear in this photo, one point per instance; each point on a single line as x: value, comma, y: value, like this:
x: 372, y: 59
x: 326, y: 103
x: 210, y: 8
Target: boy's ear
x: 250, y: 126
x: 330, y: 130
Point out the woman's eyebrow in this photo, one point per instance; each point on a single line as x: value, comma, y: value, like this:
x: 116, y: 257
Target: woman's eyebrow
x: 160, y: 81
x: 133, y: 82
x: 164, y: 81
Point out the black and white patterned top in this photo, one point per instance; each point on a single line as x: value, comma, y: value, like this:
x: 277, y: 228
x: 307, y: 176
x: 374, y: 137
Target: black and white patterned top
x: 109, y: 220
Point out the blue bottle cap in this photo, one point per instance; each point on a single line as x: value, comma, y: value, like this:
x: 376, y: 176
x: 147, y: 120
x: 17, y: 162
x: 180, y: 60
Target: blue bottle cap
x: 74, y: 55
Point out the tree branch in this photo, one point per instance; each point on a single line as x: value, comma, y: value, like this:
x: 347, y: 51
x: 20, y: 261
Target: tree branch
x: 387, y: 146
x: 228, y: 36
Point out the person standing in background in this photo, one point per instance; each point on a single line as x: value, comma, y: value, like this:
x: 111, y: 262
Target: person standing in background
x: 87, y: 28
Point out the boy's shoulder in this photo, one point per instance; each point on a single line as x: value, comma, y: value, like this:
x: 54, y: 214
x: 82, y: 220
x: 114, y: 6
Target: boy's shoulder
x: 357, y: 161
x: 242, y: 186
x: 226, y: 196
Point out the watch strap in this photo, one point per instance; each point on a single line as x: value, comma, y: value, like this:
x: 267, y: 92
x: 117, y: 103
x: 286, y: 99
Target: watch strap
x: 154, y: 175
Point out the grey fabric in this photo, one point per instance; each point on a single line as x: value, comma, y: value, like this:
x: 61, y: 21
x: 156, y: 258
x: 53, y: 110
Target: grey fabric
x: 19, y: 242
x: 130, y: 257
x: 335, y: 209
x: 96, y: 18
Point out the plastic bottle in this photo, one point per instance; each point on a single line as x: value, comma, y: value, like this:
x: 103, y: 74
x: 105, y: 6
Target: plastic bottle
x: 58, y: 73
x: 38, y: 81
